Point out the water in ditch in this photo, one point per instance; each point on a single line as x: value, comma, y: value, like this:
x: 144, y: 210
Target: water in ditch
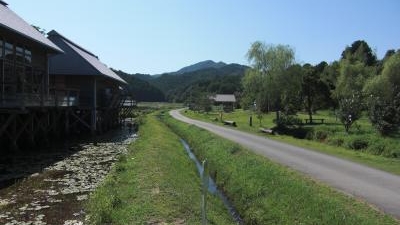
x: 212, y: 187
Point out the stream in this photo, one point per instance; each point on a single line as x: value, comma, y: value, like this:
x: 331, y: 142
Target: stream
x: 212, y: 187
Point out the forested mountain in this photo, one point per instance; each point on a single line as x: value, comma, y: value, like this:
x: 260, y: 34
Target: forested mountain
x: 205, y: 77
x: 141, y: 88
x: 201, y: 65
x: 225, y: 79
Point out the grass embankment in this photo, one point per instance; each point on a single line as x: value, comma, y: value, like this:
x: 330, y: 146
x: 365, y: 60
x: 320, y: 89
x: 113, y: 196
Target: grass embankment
x: 267, y: 193
x: 155, y: 183
x: 331, y: 134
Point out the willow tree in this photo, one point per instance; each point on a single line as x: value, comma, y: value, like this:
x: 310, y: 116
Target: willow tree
x: 267, y: 81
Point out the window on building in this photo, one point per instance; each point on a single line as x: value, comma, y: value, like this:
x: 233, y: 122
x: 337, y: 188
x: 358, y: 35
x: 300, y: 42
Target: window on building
x: 20, y: 75
x: 1, y: 68
x: 28, y: 56
x: 19, y: 54
x: 1, y: 48
x: 10, y: 81
x: 1, y: 77
x: 38, y: 79
x: 9, y: 51
x: 30, y: 86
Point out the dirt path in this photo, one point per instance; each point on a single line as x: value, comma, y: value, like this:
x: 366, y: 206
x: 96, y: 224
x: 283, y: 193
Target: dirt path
x: 379, y: 188
x: 52, y: 187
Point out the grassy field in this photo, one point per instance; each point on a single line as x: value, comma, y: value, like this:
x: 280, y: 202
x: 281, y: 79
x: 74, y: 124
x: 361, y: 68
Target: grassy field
x: 267, y: 193
x: 335, y: 133
x: 155, y: 183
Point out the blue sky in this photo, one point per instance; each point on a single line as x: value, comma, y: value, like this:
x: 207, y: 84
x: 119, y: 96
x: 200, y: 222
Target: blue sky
x: 156, y: 36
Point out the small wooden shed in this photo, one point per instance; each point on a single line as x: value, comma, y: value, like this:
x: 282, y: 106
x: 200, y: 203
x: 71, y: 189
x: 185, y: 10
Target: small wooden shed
x: 227, y: 101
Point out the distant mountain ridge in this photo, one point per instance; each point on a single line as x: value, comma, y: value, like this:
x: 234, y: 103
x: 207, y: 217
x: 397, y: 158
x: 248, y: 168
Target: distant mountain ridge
x: 206, y: 76
x: 201, y: 65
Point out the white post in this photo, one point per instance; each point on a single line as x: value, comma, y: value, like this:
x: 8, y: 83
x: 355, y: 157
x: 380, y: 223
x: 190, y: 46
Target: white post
x: 204, y: 194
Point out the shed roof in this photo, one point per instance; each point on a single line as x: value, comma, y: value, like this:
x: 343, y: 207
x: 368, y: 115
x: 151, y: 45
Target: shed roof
x: 11, y: 21
x: 224, y: 98
x: 79, y: 60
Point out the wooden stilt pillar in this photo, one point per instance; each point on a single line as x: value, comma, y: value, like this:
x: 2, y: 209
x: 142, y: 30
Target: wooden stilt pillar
x: 31, y: 130
x: 94, y: 112
x: 13, y: 138
x: 67, y: 128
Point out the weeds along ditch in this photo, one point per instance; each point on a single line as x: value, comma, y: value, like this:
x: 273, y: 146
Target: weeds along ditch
x: 154, y: 183
x: 265, y: 192
x: 212, y: 187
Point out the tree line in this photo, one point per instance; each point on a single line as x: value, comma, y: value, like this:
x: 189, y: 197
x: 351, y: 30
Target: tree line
x: 357, y: 82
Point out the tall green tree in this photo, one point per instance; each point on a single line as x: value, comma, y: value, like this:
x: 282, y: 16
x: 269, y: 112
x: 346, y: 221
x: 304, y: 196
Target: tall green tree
x: 253, y: 91
x: 291, y: 100
x: 383, y: 93
x: 349, y: 90
x: 358, y: 64
x: 380, y: 63
x: 314, y: 90
x: 329, y: 77
x: 360, y: 51
x: 267, y: 76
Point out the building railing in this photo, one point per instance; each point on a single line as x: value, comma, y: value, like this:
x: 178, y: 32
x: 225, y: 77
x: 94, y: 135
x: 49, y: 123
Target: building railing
x: 67, y: 97
x: 59, y: 98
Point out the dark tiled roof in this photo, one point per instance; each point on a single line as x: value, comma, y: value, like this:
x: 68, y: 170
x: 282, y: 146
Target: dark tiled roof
x: 14, y: 23
x: 77, y: 60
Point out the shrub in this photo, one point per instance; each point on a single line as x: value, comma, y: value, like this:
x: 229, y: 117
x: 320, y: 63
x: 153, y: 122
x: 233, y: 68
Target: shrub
x: 321, y: 135
x: 287, y: 120
x: 357, y: 143
x: 384, y: 117
x: 395, y: 153
x: 336, y: 141
x: 377, y: 147
x: 297, y: 132
x: 391, y: 151
x: 290, y: 125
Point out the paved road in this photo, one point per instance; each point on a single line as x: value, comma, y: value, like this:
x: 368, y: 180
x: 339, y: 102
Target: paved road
x: 379, y: 188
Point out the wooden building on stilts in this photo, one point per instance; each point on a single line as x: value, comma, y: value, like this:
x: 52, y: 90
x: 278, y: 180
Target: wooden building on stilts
x: 35, y: 105
x: 95, y: 93
x: 24, y: 81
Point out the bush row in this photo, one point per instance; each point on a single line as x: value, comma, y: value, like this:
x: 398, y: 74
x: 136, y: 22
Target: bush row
x: 370, y: 143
